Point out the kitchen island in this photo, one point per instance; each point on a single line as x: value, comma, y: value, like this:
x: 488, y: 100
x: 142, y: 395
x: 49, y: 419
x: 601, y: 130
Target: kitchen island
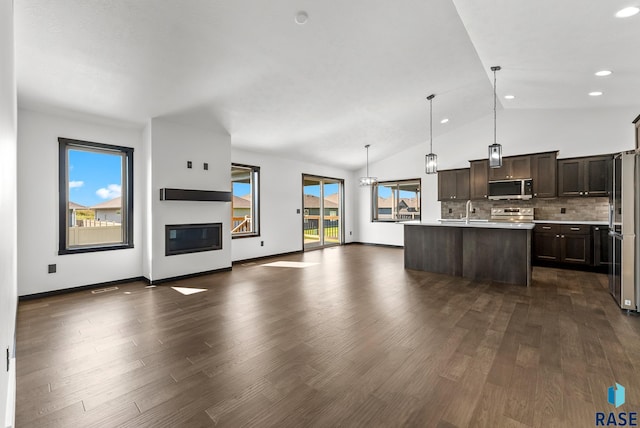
x: 478, y: 250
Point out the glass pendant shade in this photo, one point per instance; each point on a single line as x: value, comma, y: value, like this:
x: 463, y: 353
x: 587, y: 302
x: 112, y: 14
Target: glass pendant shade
x: 431, y: 163
x: 368, y: 181
x: 495, y: 155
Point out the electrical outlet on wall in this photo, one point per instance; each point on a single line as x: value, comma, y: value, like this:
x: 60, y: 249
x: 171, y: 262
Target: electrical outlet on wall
x: 563, y: 210
x: 52, y: 268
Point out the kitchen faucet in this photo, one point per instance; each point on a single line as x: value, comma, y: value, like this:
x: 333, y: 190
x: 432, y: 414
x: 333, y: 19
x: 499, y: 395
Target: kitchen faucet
x: 468, y: 209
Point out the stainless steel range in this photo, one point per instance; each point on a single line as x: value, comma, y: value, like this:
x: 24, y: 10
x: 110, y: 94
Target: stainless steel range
x: 518, y: 215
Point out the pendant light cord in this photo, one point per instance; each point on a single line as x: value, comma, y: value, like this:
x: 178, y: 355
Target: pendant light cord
x: 430, y: 98
x: 494, y: 104
x: 367, y: 147
x: 431, y: 125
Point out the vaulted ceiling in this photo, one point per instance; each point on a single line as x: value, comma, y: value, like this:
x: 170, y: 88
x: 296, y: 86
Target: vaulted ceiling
x: 357, y: 72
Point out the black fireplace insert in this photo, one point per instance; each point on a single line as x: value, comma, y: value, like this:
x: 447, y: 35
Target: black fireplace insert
x: 192, y: 238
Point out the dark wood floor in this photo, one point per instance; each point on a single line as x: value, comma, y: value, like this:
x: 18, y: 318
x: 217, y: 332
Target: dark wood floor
x: 355, y: 340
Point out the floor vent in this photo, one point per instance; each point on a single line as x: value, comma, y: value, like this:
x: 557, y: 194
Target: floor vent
x: 103, y: 290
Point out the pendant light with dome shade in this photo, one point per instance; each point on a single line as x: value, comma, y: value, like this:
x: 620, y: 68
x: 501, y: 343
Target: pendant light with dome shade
x: 368, y: 180
x: 495, y: 149
x: 431, y: 160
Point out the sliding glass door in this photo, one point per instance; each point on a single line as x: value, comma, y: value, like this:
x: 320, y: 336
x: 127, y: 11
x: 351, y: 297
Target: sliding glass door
x: 322, y: 216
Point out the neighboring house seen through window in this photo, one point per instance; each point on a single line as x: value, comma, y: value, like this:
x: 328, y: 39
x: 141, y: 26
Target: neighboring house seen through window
x: 245, y: 207
x: 396, y: 200
x: 96, y: 196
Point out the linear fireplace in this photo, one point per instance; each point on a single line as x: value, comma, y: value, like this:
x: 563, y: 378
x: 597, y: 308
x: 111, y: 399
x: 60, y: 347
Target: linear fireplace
x: 192, y: 238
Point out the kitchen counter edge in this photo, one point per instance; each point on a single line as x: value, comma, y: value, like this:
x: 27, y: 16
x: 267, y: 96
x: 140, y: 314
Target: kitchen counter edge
x: 588, y: 222
x: 480, y: 225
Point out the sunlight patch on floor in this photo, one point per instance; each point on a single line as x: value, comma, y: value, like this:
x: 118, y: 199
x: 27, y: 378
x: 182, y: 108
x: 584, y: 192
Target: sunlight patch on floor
x: 186, y: 291
x: 290, y: 264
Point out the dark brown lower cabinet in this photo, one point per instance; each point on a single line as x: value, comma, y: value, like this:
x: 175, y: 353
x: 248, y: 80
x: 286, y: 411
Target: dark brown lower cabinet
x: 545, y: 244
x: 602, y: 246
x: 575, y: 244
x: 563, y: 243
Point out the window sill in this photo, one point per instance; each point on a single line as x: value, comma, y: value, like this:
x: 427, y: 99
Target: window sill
x: 81, y: 250
x: 247, y: 235
x: 395, y: 221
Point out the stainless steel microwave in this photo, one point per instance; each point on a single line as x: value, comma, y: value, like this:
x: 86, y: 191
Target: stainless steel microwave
x: 511, y: 189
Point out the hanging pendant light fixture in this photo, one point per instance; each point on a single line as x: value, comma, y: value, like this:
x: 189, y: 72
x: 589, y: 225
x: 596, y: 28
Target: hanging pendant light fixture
x: 431, y: 160
x: 368, y: 181
x: 495, y: 149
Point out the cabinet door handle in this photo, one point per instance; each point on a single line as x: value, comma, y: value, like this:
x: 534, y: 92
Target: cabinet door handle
x: 546, y: 227
x: 562, y: 236
x: 535, y: 194
x: 582, y: 193
x: 557, y: 236
x: 575, y: 228
x: 597, y: 228
x: 586, y: 193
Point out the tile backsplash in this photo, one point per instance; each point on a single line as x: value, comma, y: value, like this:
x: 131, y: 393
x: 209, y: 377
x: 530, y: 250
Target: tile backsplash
x: 576, y: 209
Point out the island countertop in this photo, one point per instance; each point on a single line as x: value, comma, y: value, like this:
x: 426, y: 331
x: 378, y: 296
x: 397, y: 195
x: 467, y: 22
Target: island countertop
x: 474, y: 223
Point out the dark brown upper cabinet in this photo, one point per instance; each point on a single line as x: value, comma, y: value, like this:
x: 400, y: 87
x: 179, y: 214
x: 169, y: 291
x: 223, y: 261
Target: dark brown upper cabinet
x: 453, y: 184
x: 513, y: 167
x: 544, y: 170
x: 585, y: 176
x: 478, y: 179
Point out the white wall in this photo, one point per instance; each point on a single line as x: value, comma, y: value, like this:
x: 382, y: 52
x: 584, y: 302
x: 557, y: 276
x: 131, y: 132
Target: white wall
x: 38, y: 205
x: 8, y: 213
x: 172, y: 145
x: 147, y: 202
x: 280, y: 197
x: 573, y: 132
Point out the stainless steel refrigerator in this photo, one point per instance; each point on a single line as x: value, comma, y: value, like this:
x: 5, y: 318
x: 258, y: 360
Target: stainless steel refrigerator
x: 624, y: 223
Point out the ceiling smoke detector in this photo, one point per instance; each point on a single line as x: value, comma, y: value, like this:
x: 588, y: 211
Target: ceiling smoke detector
x: 302, y: 17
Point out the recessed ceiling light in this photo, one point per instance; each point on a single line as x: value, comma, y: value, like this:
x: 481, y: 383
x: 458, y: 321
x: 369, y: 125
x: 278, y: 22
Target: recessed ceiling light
x: 509, y: 97
x: 302, y: 17
x: 445, y: 120
x: 627, y: 12
x: 595, y: 93
x: 603, y: 73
